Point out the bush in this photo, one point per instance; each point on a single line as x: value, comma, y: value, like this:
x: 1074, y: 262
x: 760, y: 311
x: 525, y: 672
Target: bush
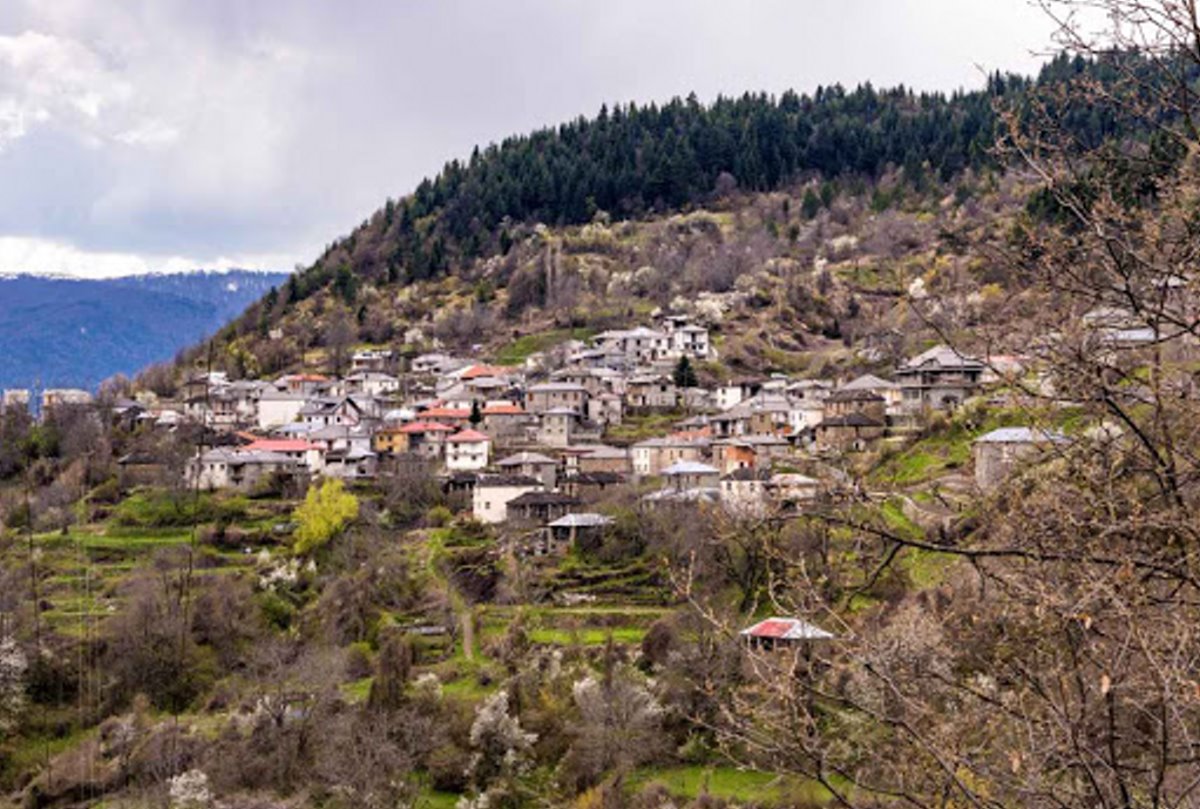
x: 277, y: 611
x: 163, y: 509
x: 438, y: 516
x: 107, y: 492
x: 447, y: 767
x: 325, y: 512
x: 359, y: 662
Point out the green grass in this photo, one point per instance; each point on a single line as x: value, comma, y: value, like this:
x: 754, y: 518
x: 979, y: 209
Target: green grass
x: 469, y: 688
x: 520, y: 349
x: 570, y: 626
x: 733, y: 784
x: 586, y: 637
x: 640, y: 427
x: 942, y: 450
x: 29, y: 753
x: 898, y: 522
x: 926, y: 568
x: 430, y: 798
x: 357, y: 690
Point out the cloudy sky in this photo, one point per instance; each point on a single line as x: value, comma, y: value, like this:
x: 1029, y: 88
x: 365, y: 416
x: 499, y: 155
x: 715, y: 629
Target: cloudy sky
x: 152, y: 135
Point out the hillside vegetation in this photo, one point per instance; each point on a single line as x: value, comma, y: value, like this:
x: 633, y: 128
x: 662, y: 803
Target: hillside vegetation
x: 886, y: 628
x: 632, y: 163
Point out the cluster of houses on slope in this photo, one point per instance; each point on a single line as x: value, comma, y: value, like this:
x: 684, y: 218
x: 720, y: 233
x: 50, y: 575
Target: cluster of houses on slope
x: 530, y: 444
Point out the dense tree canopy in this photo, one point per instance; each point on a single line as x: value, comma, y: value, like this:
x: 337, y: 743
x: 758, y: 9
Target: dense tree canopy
x: 630, y: 160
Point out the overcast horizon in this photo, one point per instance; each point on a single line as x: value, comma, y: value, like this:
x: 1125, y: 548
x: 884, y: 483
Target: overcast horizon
x: 171, y: 136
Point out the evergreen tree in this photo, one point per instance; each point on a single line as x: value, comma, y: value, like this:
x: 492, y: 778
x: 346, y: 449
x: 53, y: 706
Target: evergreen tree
x: 811, y: 204
x: 685, y: 374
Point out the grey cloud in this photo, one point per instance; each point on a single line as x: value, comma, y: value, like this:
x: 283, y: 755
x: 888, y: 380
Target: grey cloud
x: 230, y: 128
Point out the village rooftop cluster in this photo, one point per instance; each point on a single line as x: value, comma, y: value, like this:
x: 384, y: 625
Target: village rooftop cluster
x: 539, y: 444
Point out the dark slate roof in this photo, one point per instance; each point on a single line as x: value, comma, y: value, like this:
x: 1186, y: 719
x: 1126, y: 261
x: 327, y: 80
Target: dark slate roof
x: 746, y: 473
x: 506, y: 480
x: 851, y: 420
x: 543, y: 499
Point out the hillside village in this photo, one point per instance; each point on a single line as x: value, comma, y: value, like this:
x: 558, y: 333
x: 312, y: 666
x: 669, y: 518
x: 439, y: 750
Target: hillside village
x: 544, y: 506
x: 838, y: 465
x: 538, y: 444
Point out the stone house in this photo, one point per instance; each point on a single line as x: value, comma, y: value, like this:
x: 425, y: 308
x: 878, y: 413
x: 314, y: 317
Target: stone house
x: 852, y: 432
x: 604, y: 459
x: 744, y: 491
x: 1001, y: 452
x: 503, y: 420
x: 225, y: 468
x: 583, y: 530
x: 844, y: 401
x: 889, y: 390
x: 652, y: 456
x: 651, y: 392
x: 938, y: 379
x: 556, y: 396
x: 531, y: 464
x: 685, y: 475
x: 606, y: 408
x: 541, y: 506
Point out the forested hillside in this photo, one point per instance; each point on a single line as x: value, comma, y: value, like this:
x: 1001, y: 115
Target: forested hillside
x: 478, y: 219
x: 632, y: 160
x: 895, y: 506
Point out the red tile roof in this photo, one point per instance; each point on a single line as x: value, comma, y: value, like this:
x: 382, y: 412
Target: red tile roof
x: 446, y: 413
x: 503, y: 410
x: 469, y: 437
x: 787, y: 628
x: 426, y: 427
x: 477, y: 371
x: 279, y: 445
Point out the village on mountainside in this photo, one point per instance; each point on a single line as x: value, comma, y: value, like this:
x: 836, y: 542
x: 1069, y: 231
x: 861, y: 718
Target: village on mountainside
x: 540, y: 444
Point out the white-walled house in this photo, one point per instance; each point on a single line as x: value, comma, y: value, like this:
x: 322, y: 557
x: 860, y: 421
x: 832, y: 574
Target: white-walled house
x: 279, y: 407
x: 371, y: 383
x: 493, y: 493
x: 691, y: 341
x: 744, y: 491
x: 734, y: 393
x: 305, y: 453
x: 467, y: 451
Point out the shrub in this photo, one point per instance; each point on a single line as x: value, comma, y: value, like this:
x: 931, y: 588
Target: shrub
x: 163, y: 509
x: 276, y: 609
x: 358, y: 660
x: 325, y: 512
x: 438, y: 516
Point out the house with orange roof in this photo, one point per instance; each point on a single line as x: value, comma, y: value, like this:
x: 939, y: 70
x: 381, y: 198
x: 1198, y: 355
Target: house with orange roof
x: 424, y: 438
x: 467, y: 451
x: 504, y: 419
x: 454, y: 416
x: 306, y: 384
x: 479, y: 371
x: 304, y: 453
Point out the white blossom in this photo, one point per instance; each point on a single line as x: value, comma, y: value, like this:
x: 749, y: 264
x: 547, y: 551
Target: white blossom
x: 13, y: 666
x: 189, y: 790
x: 501, y: 746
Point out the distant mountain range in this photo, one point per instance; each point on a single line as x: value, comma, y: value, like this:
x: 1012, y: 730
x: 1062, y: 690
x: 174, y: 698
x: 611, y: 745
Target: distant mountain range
x: 59, y: 332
